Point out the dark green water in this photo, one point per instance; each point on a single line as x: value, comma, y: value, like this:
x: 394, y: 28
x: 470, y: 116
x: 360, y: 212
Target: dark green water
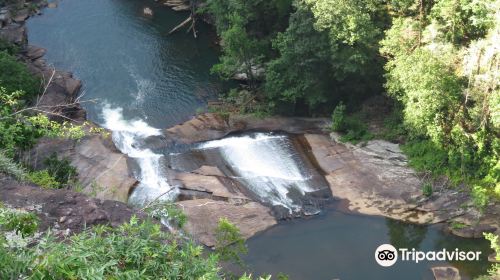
x: 335, y: 245
x: 127, y: 61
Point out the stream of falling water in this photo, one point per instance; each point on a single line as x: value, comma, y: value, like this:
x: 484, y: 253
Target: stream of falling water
x: 127, y: 136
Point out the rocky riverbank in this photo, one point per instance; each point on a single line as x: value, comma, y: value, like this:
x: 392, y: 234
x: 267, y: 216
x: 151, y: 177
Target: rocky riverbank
x: 103, y: 170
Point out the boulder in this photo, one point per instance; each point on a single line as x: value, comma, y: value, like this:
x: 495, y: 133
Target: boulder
x: 204, y: 215
x: 21, y: 15
x: 103, y: 171
x: 14, y: 33
x: 147, y: 11
x: 445, y: 273
x: 209, y: 184
x: 33, y: 52
x: 5, y: 17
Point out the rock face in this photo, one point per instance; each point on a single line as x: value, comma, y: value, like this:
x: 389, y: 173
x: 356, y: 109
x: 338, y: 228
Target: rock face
x: 375, y: 179
x: 207, y: 196
x: 103, y: 170
x: 446, y: 273
x: 204, y: 214
x: 15, y: 33
x: 63, y: 211
x: 212, y: 126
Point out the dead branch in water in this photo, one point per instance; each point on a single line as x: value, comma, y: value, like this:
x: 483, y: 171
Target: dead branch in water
x: 182, y: 24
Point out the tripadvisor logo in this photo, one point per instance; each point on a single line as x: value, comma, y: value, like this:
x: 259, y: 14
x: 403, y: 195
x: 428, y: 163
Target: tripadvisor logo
x: 387, y: 255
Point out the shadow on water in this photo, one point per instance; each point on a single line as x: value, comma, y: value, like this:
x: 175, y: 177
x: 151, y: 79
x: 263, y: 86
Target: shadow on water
x: 337, y: 245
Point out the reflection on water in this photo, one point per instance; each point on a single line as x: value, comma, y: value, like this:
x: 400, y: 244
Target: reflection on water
x: 337, y: 245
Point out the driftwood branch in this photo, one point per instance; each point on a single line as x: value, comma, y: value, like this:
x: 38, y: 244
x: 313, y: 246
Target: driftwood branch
x: 182, y: 24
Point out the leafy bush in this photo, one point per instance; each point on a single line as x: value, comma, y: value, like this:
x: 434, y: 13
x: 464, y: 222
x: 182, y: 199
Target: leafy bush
x: 43, y: 179
x: 15, y: 76
x: 427, y: 189
x: 23, y: 223
x: 229, y: 244
x: 338, y: 117
x: 8, y: 47
x: 10, y: 167
x: 168, y: 211
x: 60, y: 169
x: 135, y: 250
x: 354, y: 128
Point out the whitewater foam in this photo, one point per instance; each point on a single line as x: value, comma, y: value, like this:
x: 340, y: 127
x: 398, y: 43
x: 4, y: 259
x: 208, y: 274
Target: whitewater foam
x: 266, y: 164
x: 127, y: 135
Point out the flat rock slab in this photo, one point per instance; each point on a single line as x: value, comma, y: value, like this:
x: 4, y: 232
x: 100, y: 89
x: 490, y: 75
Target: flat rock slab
x: 204, y: 215
x: 376, y: 180
x: 209, y: 184
x: 102, y: 170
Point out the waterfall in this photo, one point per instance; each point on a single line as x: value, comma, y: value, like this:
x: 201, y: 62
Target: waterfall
x: 127, y: 136
x: 267, y: 164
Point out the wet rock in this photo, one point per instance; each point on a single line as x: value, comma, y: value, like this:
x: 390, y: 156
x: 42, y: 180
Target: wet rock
x: 208, y: 171
x: 5, y: 17
x: 14, y: 33
x: 103, y: 170
x: 212, y: 126
x: 475, y: 231
x: 204, y: 215
x: 210, y: 184
x: 147, y: 11
x: 21, y: 15
x: 33, y: 52
x: 62, y: 209
x: 445, y: 273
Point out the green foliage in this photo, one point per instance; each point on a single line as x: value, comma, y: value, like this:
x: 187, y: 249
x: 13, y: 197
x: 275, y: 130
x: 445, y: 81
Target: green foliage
x: 20, y: 131
x: 323, y: 59
x: 15, y: 76
x: 60, y: 169
x: 6, y: 46
x: 338, y: 117
x: 23, y: 223
x: 494, y: 272
x: 229, y: 244
x: 353, y: 126
x: 43, y: 179
x: 168, y: 211
x: 427, y: 189
x: 135, y: 250
x: 10, y: 167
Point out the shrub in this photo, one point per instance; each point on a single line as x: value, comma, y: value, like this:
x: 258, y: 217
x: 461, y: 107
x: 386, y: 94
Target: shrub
x: 23, y: 223
x: 229, y: 244
x: 168, y: 211
x: 60, y: 169
x: 43, y: 179
x: 10, y: 167
x: 135, y: 250
x: 8, y: 47
x: 15, y: 76
x: 338, y: 117
x: 427, y: 189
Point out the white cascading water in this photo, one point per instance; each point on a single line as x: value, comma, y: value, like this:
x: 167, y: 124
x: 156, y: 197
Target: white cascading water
x: 266, y: 165
x: 126, y: 135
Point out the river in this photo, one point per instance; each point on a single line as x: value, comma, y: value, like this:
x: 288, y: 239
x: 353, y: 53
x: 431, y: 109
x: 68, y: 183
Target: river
x: 138, y: 81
